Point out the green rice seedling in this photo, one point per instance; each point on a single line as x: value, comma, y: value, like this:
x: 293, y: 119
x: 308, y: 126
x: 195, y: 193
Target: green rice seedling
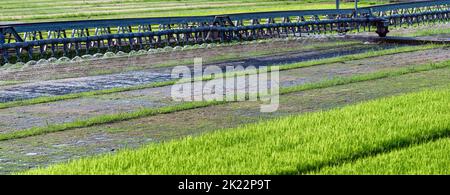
x: 291, y: 145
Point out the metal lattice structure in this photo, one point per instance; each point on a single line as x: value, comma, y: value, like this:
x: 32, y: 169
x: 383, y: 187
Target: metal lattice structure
x: 32, y: 41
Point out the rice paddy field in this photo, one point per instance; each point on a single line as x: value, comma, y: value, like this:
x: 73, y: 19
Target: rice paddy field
x: 301, y: 144
x: 348, y: 105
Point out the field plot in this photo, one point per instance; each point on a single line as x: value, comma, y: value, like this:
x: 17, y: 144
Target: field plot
x: 347, y: 104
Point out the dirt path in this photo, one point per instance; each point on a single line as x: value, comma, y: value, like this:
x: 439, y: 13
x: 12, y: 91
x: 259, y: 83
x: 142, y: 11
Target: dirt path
x: 18, y: 118
x: 25, y: 153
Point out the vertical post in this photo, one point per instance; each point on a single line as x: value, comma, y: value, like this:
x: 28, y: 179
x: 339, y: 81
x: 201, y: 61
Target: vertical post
x: 337, y: 4
x: 3, y: 51
x: 356, y: 5
x: 2, y: 36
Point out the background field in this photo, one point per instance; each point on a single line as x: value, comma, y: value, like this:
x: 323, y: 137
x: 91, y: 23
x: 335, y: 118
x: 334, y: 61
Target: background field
x: 51, y: 10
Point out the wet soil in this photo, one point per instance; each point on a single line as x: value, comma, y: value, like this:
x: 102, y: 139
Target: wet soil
x: 133, y: 78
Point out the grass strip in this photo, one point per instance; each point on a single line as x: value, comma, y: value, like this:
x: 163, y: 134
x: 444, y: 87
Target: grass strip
x: 145, y: 112
x: 370, y: 54
x: 431, y: 158
x: 289, y: 145
x: 430, y: 31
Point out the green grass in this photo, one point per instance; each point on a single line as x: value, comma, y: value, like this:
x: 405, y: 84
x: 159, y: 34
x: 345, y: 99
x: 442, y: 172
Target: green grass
x: 291, y: 145
x: 39, y: 10
x: 5, y: 83
x: 49, y: 99
x: 426, y: 159
x: 425, y: 32
x: 145, y: 112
